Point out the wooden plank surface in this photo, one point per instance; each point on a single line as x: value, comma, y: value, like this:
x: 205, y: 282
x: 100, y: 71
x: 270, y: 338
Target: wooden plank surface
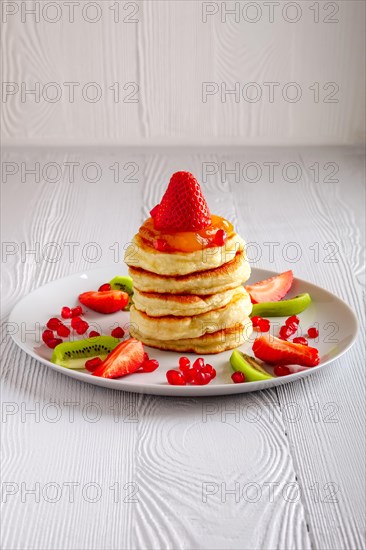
x: 295, y: 454
x: 298, y: 70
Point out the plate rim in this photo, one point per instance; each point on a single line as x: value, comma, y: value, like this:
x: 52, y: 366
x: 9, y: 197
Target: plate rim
x: 181, y: 391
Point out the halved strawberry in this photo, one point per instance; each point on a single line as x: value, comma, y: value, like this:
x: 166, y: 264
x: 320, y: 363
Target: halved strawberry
x: 126, y: 358
x: 274, y: 351
x: 183, y: 206
x: 272, y: 289
x: 107, y: 301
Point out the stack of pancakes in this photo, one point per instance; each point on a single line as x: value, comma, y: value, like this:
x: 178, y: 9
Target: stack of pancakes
x: 190, y: 301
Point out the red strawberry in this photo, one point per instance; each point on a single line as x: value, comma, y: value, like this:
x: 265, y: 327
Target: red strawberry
x: 272, y: 289
x: 183, y: 207
x: 126, y: 358
x: 108, y: 301
x: 275, y: 351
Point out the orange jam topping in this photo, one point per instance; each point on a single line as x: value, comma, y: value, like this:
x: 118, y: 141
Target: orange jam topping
x: 185, y: 241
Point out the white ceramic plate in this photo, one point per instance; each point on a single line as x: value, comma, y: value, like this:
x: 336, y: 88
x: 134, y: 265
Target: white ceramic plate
x: 336, y: 321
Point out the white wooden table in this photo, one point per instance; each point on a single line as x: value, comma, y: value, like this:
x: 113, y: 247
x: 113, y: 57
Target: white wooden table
x: 276, y: 469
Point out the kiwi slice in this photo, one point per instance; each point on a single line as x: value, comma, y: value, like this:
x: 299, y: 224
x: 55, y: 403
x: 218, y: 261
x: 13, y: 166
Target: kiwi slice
x: 73, y: 355
x: 125, y: 284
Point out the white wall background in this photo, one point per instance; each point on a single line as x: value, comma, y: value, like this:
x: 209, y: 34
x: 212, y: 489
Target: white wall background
x: 168, y: 52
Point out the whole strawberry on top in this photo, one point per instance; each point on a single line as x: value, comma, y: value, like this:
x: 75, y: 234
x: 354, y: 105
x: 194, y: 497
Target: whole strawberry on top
x: 183, y: 206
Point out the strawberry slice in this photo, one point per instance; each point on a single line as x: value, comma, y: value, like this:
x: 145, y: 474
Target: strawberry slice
x: 126, y: 358
x: 272, y: 289
x: 106, y: 301
x: 183, y: 206
x: 272, y: 350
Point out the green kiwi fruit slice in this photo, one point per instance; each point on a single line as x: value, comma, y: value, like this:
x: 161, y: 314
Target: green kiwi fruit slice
x: 73, y: 355
x: 125, y: 284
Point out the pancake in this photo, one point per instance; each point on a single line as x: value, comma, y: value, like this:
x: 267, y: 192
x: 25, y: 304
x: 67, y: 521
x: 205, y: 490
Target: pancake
x: 170, y: 327
x: 215, y: 342
x: 182, y: 305
x: 140, y: 254
x: 225, y: 277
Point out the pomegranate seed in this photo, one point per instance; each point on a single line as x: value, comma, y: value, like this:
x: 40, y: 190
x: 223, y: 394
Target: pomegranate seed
x: 238, y: 377
x: 118, y: 332
x: 292, y: 327
x: 208, y: 369
x: 75, y: 322
x: 146, y: 357
x: 300, y: 340
x: 312, y: 332
x: 190, y: 375
x: 76, y: 311
x: 280, y: 370
x: 202, y: 379
x: 175, y: 378
x: 92, y: 364
x: 150, y: 365
x: 93, y: 334
x: 285, y: 332
x: 292, y: 320
x: 161, y: 245
x: 199, y: 363
x: 47, y: 335
x: 104, y: 287
x: 63, y: 330
x: 154, y: 211
x: 256, y: 320
x: 53, y: 323
x: 264, y: 325
x: 53, y: 342
x: 184, y: 363
x: 220, y: 237
x: 66, y: 312
x: 82, y: 327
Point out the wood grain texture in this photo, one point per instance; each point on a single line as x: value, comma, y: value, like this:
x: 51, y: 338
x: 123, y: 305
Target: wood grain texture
x: 292, y: 440
x: 169, y: 52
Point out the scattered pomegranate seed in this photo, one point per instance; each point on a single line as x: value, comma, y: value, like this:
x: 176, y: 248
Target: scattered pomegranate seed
x: 199, y: 363
x: 264, y: 325
x: 280, y: 370
x: 312, y: 332
x: 208, y: 369
x: 53, y: 342
x: 238, y: 377
x: 146, y: 357
x: 93, y: 334
x: 47, y: 335
x: 92, y: 364
x: 154, y: 211
x: 292, y: 327
x: 202, y: 379
x: 220, y: 237
x: 75, y: 322
x: 104, y: 287
x: 150, y: 365
x: 76, y: 311
x: 292, y: 320
x: 190, y: 375
x: 300, y: 340
x: 184, y: 363
x: 63, y: 330
x: 161, y: 245
x: 175, y: 378
x: 82, y: 327
x: 66, y: 312
x: 53, y: 323
x: 255, y: 320
x: 285, y: 332
x: 118, y: 332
